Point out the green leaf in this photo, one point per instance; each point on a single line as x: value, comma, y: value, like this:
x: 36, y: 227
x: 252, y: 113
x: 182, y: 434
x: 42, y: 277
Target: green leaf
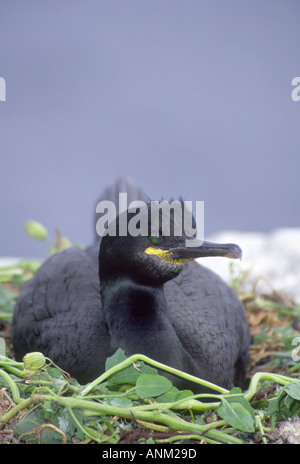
x: 73, y: 428
x: 128, y: 375
x: 6, y: 296
x: 58, y: 383
x: 121, y: 402
x: 149, y: 385
x: 184, y: 394
x: 168, y: 397
x: 293, y: 390
x: 55, y: 372
x: 116, y: 358
x: 145, y: 369
x: 7, y: 302
x: 273, y: 406
x: 238, y: 413
x: 33, y: 429
x: 36, y: 230
x: 235, y: 391
x: 288, y: 402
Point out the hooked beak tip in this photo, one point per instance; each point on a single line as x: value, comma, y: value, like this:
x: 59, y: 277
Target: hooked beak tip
x: 235, y: 252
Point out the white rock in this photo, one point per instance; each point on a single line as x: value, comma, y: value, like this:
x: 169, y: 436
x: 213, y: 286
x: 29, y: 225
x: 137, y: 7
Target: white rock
x: 8, y: 261
x: 273, y: 258
x: 289, y: 432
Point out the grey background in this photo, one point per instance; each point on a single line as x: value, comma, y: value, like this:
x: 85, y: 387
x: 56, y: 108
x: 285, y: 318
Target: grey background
x: 189, y: 98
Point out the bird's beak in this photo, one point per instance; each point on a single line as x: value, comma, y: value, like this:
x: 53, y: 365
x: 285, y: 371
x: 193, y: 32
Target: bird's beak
x: 194, y: 248
x: 197, y: 249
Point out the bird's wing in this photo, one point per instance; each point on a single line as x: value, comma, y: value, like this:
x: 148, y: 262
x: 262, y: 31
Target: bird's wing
x: 59, y: 309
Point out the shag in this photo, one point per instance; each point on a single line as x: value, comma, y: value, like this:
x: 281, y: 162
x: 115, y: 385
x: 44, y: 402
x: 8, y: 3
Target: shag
x: 144, y: 294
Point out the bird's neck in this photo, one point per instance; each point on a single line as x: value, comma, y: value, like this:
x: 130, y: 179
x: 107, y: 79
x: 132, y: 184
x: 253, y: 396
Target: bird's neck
x: 137, y: 319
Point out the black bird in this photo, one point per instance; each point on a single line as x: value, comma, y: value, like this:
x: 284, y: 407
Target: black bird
x: 142, y: 294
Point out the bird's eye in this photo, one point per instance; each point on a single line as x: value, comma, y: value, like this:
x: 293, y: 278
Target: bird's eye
x: 155, y: 239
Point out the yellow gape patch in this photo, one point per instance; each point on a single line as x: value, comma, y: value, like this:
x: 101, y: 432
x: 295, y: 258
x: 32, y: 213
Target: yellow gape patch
x: 166, y: 255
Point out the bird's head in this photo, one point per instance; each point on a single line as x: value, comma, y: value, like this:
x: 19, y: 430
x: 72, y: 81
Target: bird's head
x: 152, y: 244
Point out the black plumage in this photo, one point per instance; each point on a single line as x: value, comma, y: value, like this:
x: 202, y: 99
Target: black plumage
x: 183, y: 315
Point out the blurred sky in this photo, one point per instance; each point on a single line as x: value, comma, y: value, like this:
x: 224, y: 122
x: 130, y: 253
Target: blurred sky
x: 189, y: 98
